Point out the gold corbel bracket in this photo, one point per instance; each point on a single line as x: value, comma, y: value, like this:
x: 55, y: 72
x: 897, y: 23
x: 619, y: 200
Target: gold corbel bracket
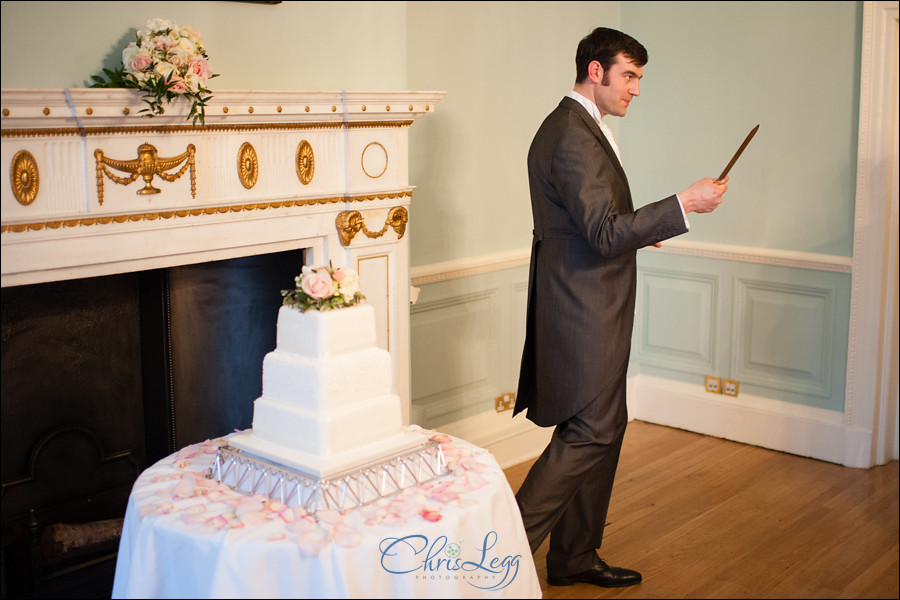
x: 147, y: 165
x: 351, y: 222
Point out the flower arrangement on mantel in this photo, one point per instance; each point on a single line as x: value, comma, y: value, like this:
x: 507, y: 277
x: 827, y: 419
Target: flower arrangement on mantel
x: 324, y: 288
x: 166, y: 62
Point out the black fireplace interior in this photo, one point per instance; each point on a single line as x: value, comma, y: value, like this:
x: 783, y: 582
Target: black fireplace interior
x: 102, y: 377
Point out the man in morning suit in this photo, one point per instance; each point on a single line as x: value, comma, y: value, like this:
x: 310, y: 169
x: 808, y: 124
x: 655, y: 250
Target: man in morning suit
x: 581, y: 296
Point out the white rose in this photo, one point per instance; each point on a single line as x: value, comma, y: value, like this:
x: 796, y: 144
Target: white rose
x: 135, y: 60
x: 178, y: 56
x: 188, y: 46
x: 128, y: 53
x: 347, y: 283
x: 164, y: 69
x: 160, y: 25
x: 192, y: 81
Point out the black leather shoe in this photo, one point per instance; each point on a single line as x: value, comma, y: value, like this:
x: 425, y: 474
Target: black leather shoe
x: 600, y: 574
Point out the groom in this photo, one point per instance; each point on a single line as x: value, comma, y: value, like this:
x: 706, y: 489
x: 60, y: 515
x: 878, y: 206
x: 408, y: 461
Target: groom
x: 581, y: 296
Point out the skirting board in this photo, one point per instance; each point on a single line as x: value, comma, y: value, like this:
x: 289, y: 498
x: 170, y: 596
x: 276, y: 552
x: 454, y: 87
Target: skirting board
x: 782, y: 426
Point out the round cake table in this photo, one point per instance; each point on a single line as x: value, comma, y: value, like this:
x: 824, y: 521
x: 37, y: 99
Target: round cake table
x: 459, y: 536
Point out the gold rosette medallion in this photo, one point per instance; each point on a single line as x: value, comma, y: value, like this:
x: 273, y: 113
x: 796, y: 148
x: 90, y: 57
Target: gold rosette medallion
x: 248, y: 165
x: 306, y: 162
x: 24, y: 177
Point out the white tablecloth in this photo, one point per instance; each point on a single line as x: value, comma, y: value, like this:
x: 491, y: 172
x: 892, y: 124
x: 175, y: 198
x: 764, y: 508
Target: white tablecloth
x: 460, y: 536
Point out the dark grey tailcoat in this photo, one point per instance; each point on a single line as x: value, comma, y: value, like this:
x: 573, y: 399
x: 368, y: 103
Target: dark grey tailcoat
x: 582, y: 279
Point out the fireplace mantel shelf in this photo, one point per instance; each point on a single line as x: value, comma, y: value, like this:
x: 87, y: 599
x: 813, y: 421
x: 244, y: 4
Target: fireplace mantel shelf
x: 116, y: 107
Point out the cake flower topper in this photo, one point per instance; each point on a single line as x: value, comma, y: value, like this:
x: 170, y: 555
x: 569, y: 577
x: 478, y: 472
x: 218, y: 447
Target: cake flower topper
x: 166, y: 62
x: 324, y: 288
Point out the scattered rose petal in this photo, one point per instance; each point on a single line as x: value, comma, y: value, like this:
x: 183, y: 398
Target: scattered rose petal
x: 187, y: 452
x: 346, y: 536
x: 252, y: 505
x: 252, y: 518
x: 393, y: 520
x: 431, y: 515
x: 185, y: 487
x: 313, y: 540
x: 287, y: 516
x: 329, y: 517
x: 193, y: 519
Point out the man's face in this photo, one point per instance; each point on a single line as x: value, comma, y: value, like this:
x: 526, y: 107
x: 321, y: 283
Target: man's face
x: 618, y: 86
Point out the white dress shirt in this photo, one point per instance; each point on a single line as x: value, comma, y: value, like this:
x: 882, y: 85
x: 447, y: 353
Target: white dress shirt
x: 595, y: 114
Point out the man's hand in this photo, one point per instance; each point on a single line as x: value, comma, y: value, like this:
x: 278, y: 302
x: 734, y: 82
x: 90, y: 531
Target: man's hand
x: 703, y: 196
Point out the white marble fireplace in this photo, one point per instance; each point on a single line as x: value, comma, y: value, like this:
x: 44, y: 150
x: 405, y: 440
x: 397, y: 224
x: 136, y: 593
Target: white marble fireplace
x: 93, y: 187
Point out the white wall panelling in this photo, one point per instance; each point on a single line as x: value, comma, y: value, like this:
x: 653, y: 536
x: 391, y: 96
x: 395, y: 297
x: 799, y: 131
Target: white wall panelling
x: 783, y: 337
x: 680, y: 312
x: 455, y: 365
x: 775, y: 322
x: 468, y: 334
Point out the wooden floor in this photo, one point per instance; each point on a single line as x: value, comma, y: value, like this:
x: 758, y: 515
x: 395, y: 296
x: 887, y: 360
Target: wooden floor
x: 702, y: 517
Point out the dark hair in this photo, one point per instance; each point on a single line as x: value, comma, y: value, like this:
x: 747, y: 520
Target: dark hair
x: 603, y: 45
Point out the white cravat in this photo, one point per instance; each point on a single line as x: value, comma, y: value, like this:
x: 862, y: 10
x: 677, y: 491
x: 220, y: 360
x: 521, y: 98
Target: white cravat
x: 595, y: 114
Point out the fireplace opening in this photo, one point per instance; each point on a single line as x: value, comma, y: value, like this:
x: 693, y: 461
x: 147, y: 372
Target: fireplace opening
x: 102, y: 377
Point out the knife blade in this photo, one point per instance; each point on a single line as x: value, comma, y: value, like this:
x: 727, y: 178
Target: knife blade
x: 737, y: 154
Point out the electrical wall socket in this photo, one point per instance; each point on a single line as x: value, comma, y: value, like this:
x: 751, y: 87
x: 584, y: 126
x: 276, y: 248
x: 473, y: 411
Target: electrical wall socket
x: 713, y: 384
x: 505, y: 402
x: 730, y: 387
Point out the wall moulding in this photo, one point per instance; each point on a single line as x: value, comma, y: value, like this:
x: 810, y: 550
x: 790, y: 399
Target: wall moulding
x: 763, y: 256
x: 487, y: 263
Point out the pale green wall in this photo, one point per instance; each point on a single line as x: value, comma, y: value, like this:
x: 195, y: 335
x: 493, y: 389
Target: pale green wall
x: 289, y: 46
x: 717, y: 69
x: 505, y: 66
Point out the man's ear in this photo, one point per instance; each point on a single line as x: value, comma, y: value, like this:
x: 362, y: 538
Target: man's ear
x: 595, y: 71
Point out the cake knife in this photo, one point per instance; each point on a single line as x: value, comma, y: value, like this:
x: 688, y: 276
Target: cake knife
x: 737, y: 154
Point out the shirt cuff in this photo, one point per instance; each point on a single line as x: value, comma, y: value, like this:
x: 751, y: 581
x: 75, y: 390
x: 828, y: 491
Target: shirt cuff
x: 683, y: 214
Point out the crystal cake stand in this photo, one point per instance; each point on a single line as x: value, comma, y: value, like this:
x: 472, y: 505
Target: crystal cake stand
x: 353, y: 488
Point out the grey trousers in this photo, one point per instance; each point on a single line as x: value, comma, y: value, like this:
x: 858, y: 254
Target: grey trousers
x: 567, y: 491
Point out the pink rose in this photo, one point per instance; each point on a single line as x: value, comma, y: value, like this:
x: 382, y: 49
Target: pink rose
x: 191, y: 32
x: 317, y: 285
x: 139, y: 61
x: 177, y: 85
x: 177, y: 56
x: 162, y: 42
x: 200, y: 68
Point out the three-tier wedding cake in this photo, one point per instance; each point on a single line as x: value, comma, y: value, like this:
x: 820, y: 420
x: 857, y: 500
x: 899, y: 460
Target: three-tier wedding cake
x: 327, y: 405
